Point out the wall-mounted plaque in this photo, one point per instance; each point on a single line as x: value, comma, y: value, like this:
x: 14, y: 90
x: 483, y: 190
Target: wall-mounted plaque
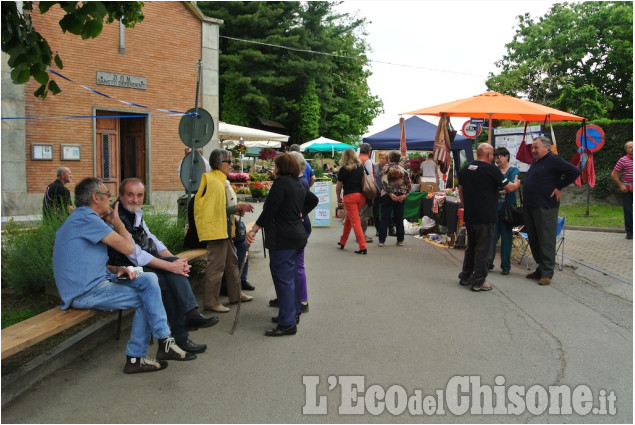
x: 40, y: 152
x: 121, y: 80
x: 71, y: 153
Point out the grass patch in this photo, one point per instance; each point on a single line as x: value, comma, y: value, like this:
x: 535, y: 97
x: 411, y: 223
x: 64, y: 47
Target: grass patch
x: 600, y: 215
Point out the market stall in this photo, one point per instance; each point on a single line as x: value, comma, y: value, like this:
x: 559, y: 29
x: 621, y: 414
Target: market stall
x: 419, y: 137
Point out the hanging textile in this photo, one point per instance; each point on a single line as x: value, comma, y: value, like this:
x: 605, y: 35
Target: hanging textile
x: 441, y: 149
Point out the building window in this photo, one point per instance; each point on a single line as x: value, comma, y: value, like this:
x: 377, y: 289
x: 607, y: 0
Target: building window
x: 105, y: 149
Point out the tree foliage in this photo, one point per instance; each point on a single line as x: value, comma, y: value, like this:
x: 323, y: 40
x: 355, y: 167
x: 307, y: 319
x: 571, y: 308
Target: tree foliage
x: 309, y: 127
x: 578, y: 57
x: 271, y: 51
x: 30, y: 54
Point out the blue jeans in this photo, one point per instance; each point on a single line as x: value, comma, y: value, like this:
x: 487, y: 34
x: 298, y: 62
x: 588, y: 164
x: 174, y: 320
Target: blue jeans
x: 241, y: 250
x: 503, y: 230
x: 283, y: 264
x: 144, y: 295
x: 178, y: 298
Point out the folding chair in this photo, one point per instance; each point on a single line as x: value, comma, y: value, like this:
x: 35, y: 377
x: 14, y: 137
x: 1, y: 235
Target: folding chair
x: 560, y: 241
x: 520, y: 247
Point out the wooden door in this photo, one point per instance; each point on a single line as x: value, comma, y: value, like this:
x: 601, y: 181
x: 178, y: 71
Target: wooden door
x: 107, y: 151
x: 133, y: 148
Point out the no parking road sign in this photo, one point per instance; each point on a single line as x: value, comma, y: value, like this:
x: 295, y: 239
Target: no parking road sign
x: 594, y: 138
x: 471, y: 129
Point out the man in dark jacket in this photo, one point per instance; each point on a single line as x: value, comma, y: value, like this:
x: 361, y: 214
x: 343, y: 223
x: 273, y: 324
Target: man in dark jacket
x: 542, y: 191
x: 479, y: 183
x: 57, y: 198
x: 151, y: 254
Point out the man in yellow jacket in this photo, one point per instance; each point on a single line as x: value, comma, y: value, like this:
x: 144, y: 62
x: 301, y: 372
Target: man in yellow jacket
x: 213, y: 214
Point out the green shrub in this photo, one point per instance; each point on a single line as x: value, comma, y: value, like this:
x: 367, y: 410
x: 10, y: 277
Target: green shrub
x: 604, y: 185
x: 167, y: 228
x: 27, y: 257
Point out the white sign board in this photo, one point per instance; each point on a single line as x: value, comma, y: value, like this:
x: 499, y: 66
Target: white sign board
x: 511, y: 138
x: 321, y: 215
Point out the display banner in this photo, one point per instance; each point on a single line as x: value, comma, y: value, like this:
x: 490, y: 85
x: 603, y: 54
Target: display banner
x: 511, y: 138
x: 321, y: 215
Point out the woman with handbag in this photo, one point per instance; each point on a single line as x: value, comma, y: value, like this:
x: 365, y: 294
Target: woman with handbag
x: 501, y: 228
x: 349, y: 179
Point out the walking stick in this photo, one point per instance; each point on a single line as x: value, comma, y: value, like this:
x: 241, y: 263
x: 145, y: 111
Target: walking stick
x: 240, y: 272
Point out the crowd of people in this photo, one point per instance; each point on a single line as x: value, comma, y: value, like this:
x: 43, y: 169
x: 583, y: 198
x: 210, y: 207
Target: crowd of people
x: 105, y: 256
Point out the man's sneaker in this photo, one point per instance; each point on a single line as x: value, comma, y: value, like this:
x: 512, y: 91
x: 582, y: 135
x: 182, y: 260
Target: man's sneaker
x: 380, y: 244
x: 168, y: 350
x: 464, y: 282
x: 485, y: 286
x: 143, y: 364
x: 399, y: 243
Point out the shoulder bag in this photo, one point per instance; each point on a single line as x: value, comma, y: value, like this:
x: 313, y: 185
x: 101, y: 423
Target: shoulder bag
x: 368, y: 185
x: 513, y: 215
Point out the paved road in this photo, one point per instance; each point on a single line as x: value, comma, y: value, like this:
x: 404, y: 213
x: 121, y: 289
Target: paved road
x: 396, y: 319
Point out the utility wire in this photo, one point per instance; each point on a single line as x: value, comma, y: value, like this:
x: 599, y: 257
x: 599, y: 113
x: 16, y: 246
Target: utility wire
x: 294, y: 49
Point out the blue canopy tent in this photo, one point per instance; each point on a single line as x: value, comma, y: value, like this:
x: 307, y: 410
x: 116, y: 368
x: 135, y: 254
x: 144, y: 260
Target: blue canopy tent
x: 419, y: 137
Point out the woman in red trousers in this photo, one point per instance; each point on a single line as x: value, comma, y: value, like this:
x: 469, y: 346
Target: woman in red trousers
x: 349, y: 179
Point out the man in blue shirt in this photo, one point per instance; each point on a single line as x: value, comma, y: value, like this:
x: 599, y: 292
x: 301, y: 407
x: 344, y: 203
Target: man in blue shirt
x: 83, y: 279
x: 548, y: 174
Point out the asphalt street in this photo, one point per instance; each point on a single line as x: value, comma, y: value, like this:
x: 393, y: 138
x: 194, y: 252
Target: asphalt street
x: 384, y: 330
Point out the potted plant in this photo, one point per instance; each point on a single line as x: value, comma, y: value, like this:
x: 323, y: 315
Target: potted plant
x: 242, y: 192
x: 258, y: 190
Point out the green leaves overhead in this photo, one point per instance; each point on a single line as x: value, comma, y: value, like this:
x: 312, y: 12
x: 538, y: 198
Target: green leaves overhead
x: 30, y: 54
x: 267, y: 64
x: 578, y: 57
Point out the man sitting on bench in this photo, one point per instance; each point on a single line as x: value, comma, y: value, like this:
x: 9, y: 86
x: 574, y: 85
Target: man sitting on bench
x: 151, y: 254
x: 80, y: 255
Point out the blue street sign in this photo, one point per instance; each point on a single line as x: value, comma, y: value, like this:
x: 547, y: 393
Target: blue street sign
x: 477, y: 120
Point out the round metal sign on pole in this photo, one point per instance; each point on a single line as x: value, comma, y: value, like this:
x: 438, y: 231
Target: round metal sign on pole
x: 471, y: 130
x: 191, y: 171
x: 204, y: 128
x: 594, y: 138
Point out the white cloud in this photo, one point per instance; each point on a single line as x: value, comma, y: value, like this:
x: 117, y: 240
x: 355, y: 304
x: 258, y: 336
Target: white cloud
x: 457, y: 42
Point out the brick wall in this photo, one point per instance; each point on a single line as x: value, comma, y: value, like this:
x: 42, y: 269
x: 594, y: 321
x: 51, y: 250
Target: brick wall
x: 164, y: 49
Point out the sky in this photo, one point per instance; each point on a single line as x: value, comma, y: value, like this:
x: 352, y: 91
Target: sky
x: 433, y: 52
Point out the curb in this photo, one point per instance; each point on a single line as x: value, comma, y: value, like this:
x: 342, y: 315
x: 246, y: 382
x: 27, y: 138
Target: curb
x: 595, y: 229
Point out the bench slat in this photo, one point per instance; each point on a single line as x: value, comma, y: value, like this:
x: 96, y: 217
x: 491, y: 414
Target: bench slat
x: 193, y: 254
x: 37, y: 328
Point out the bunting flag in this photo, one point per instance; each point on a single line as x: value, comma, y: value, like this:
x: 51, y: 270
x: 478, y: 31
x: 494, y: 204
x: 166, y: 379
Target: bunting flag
x: 97, y: 92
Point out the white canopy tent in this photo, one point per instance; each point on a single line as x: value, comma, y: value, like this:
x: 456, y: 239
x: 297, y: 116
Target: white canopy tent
x: 236, y: 132
x: 252, y: 144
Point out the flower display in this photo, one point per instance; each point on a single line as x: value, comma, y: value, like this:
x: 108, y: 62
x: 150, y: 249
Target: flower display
x: 239, y: 149
x: 267, y: 154
x: 415, y: 163
x: 258, y: 189
x: 238, y: 177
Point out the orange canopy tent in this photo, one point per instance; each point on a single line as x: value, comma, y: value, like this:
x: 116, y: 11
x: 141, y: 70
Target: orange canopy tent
x: 493, y: 105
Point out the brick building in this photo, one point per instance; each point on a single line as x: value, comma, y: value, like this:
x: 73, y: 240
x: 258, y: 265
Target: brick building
x: 153, y: 64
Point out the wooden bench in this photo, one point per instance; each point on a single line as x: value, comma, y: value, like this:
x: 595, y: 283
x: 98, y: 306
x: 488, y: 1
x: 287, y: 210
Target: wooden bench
x: 29, y: 332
